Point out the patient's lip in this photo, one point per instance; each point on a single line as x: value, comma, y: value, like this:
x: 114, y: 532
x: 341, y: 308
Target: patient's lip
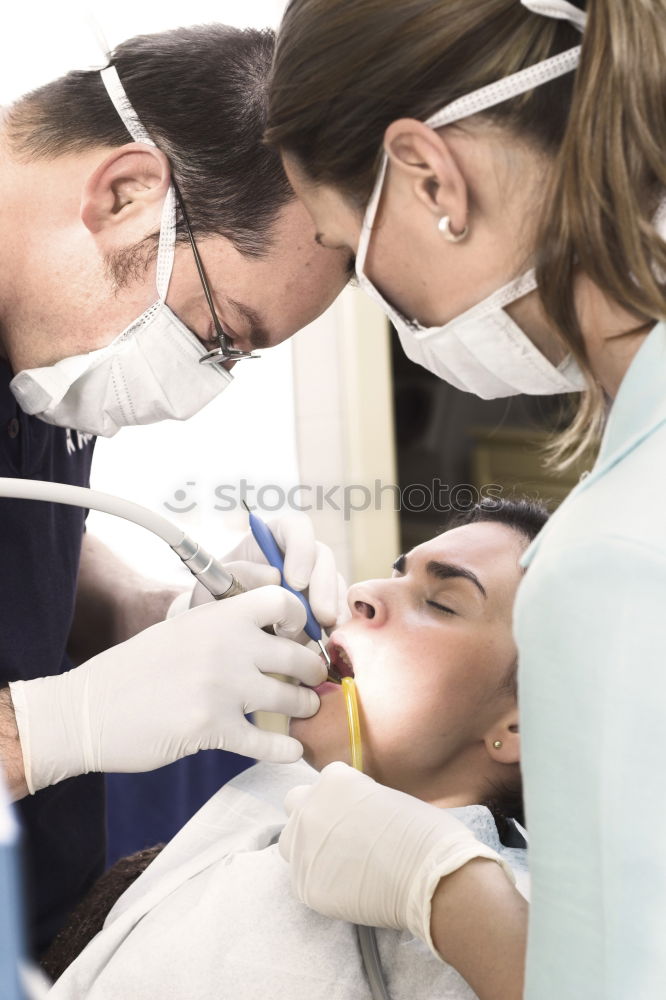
x: 325, y: 687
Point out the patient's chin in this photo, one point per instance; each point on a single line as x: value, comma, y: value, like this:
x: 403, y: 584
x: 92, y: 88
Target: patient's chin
x: 324, y: 739
x: 305, y: 730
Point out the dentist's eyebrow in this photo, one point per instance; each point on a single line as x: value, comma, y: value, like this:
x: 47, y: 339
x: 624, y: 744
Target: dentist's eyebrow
x: 443, y: 571
x: 258, y: 336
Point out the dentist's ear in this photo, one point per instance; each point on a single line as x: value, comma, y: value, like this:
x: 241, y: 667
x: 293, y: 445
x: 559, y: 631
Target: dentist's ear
x: 422, y: 156
x: 126, y: 190
x: 503, y: 739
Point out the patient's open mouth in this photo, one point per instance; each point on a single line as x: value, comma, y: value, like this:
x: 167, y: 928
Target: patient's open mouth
x: 340, y: 658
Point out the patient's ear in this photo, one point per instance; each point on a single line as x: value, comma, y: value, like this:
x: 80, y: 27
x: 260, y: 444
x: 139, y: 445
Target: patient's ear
x: 503, y: 739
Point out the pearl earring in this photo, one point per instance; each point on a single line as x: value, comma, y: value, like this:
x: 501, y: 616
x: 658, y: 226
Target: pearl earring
x: 444, y: 226
x: 497, y: 744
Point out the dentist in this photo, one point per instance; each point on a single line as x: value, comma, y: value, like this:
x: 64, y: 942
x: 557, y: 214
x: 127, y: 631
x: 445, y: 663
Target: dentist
x: 498, y: 168
x: 103, y: 324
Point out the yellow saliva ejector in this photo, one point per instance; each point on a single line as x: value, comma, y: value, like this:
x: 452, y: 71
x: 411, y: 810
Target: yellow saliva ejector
x: 367, y: 938
x: 353, y: 724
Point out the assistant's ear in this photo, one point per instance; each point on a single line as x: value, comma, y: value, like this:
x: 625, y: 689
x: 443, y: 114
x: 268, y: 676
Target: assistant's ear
x: 503, y: 739
x: 128, y: 187
x: 425, y: 159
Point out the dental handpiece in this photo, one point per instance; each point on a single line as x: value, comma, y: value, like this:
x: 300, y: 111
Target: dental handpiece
x: 217, y: 580
x: 265, y: 539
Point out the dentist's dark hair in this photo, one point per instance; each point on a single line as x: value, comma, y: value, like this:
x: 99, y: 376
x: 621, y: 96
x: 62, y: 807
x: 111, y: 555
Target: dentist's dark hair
x: 345, y: 69
x: 202, y: 95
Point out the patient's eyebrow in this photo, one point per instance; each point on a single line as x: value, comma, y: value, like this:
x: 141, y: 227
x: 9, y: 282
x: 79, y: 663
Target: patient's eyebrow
x: 447, y: 571
x: 443, y: 571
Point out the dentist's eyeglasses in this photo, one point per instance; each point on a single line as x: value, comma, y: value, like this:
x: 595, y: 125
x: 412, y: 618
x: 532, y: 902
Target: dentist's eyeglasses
x: 226, y: 351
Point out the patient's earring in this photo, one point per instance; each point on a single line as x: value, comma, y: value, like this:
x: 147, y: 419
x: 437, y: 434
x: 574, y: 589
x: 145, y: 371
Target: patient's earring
x: 497, y: 744
x: 444, y: 226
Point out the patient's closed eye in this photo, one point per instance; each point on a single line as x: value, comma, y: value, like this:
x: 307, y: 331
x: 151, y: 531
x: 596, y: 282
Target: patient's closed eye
x: 441, y: 607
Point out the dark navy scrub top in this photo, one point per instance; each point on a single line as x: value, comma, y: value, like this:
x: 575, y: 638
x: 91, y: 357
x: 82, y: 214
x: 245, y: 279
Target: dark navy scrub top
x: 40, y: 546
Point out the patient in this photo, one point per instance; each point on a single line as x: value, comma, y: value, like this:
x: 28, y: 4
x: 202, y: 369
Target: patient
x: 434, y: 662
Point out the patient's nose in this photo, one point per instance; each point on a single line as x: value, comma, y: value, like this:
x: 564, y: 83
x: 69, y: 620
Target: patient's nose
x: 365, y: 602
x: 364, y: 609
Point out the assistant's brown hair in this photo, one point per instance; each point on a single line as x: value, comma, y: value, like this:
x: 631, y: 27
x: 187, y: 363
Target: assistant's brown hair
x: 345, y: 69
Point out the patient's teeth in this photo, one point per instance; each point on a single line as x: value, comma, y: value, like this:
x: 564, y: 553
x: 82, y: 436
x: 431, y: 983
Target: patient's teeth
x: 341, y: 659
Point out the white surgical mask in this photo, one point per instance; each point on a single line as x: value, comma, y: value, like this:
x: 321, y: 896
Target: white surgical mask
x: 150, y: 372
x: 483, y: 350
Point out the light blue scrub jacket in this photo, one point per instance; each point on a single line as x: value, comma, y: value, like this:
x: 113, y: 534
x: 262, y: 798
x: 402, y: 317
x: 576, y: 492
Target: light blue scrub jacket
x: 590, y: 623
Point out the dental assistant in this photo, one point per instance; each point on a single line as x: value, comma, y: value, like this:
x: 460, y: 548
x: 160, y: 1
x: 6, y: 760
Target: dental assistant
x: 103, y: 324
x: 498, y: 168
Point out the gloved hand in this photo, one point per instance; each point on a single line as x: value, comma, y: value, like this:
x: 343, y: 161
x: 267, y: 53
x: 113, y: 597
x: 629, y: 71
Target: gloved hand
x: 181, y: 686
x: 307, y: 564
x: 371, y: 855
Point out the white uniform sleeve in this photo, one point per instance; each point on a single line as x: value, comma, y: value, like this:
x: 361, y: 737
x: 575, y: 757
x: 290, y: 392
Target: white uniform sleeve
x: 591, y: 629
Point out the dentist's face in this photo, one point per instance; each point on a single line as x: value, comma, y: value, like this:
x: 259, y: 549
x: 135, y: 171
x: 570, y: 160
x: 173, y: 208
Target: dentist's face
x: 81, y: 292
x: 430, y: 649
x: 261, y: 302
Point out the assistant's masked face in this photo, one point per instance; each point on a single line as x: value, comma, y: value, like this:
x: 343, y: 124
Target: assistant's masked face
x: 429, y: 652
x: 452, y: 306
x: 471, y: 341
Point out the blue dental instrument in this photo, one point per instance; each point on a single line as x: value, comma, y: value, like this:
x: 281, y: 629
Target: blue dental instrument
x: 265, y: 539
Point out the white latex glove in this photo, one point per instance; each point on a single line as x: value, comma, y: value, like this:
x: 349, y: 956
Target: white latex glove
x: 371, y: 855
x: 181, y: 686
x: 308, y: 564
